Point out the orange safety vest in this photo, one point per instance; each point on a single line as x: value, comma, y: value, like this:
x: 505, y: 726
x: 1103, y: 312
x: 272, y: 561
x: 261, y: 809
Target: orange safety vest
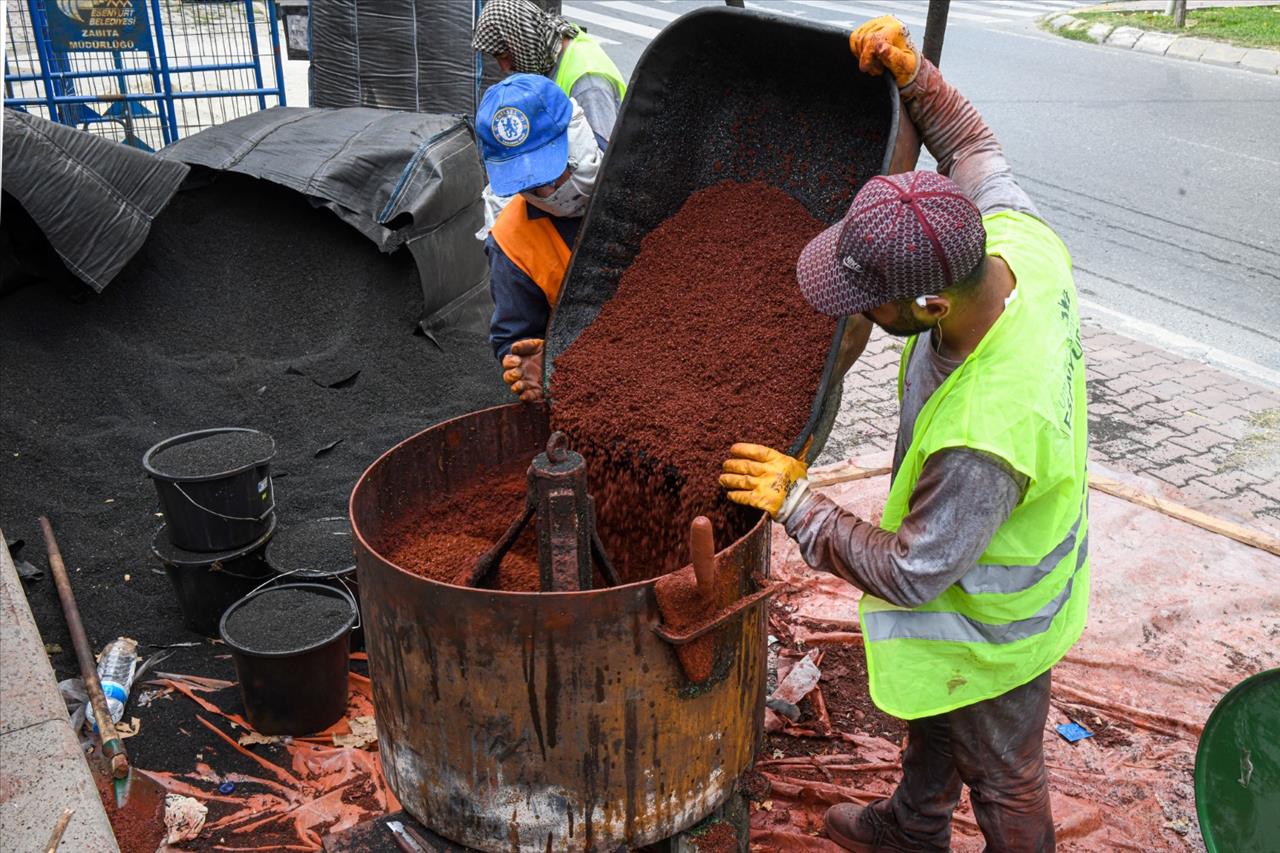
x: 533, y: 245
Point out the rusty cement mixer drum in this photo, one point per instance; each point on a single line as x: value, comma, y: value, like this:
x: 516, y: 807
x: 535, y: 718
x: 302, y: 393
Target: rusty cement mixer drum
x: 512, y: 721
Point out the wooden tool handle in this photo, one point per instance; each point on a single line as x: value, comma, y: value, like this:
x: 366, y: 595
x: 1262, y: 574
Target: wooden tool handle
x: 112, y: 745
x: 702, y: 553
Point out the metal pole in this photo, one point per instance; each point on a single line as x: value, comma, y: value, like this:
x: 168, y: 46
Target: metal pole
x: 935, y: 29
x: 112, y: 745
x: 253, y: 42
x: 163, y: 54
x: 40, y: 28
x: 274, y: 24
x: 737, y: 4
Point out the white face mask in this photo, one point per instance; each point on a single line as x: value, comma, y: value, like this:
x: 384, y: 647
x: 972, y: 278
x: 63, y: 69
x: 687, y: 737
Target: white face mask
x: 572, y: 197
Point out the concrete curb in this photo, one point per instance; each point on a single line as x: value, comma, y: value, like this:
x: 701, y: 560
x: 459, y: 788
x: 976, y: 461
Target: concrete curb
x: 1255, y: 59
x: 42, y: 770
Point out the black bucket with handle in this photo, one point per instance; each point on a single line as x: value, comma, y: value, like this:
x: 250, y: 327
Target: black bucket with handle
x: 207, y: 583
x: 214, y: 487
x: 317, y: 551
x: 291, y: 645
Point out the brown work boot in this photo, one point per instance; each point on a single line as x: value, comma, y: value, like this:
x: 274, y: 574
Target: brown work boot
x: 867, y: 829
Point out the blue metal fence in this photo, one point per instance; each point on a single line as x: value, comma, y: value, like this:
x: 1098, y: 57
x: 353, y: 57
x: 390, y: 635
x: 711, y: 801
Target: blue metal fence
x: 144, y: 72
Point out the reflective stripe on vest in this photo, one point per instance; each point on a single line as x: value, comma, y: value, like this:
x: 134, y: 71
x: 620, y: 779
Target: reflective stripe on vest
x: 958, y: 628
x: 533, y: 245
x: 1005, y: 579
x: 1019, y: 396
x: 584, y: 56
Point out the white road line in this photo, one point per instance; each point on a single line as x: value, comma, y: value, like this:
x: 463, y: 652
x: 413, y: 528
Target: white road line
x: 859, y: 10
x: 639, y: 9
x: 1227, y: 151
x: 955, y: 15
x: 988, y: 8
x: 575, y: 13
x: 1015, y: 7
x: 1180, y: 344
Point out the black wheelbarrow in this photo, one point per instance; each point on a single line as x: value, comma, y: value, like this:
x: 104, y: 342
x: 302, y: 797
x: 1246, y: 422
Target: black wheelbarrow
x: 731, y: 94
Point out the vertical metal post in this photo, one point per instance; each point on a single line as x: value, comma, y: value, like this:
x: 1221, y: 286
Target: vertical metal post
x: 163, y: 54
x: 257, y: 59
x: 935, y: 29
x: 737, y: 4
x: 274, y: 23
x: 166, y: 132
x: 40, y: 28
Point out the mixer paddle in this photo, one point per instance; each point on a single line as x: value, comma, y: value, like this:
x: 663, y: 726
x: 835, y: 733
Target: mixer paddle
x: 568, y: 543
x: 487, y: 563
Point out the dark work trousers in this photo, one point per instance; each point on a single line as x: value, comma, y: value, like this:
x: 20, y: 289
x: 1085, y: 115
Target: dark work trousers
x: 996, y: 747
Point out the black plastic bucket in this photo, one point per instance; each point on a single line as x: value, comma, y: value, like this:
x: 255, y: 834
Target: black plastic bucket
x: 206, y: 584
x: 299, y: 691
x: 219, y: 510
x: 318, y: 551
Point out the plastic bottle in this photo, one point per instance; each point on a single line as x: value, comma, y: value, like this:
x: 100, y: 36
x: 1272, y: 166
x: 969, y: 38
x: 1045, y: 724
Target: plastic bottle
x: 116, y: 667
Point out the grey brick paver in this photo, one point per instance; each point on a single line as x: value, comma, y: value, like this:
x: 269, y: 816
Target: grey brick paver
x: 1123, y: 383
x: 1203, y: 440
x: 1222, y: 413
x: 1232, y: 481
x: 1269, y: 489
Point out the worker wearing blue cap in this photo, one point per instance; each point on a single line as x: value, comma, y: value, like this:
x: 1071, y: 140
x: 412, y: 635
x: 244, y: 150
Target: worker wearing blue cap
x: 536, y: 151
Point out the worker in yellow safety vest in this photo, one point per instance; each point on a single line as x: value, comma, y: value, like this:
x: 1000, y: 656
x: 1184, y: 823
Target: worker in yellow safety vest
x: 526, y: 40
x: 976, y: 580
x: 539, y: 150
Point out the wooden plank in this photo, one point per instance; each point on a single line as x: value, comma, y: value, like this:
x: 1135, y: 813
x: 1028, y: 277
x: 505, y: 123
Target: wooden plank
x: 1238, y: 532
x: 1230, y: 529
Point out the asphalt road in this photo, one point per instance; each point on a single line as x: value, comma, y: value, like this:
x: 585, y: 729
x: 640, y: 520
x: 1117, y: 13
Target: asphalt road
x: 1162, y: 176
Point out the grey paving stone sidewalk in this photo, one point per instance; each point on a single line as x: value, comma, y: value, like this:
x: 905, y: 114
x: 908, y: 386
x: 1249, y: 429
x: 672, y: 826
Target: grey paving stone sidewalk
x: 1211, y: 439
x: 42, y: 769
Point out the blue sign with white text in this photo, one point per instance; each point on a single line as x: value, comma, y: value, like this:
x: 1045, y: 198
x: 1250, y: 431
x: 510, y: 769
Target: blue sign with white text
x: 82, y: 25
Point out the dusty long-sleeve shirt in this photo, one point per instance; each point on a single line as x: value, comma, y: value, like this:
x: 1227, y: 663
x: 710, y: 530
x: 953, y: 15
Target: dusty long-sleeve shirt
x: 962, y: 496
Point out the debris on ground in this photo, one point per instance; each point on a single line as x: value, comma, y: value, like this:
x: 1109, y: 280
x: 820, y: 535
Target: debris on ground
x: 183, y: 818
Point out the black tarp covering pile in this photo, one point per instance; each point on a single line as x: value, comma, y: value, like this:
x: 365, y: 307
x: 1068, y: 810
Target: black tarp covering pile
x: 401, y: 179
x: 400, y: 54
x: 92, y: 198
x: 247, y: 306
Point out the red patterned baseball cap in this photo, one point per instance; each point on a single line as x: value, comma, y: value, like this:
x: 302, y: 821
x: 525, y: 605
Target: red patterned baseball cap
x: 904, y: 236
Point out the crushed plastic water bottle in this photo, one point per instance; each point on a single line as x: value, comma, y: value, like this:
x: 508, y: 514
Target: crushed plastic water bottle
x: 116, y: 668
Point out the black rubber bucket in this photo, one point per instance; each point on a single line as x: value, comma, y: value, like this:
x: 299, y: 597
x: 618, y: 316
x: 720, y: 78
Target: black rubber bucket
x: 293, y: 691
x: 206, y: 584
x: 318, y: 551
x: 219, y: 509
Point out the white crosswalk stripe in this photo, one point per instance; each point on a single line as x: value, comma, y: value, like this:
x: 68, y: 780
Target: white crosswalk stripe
x: 622, y: 25
x: 639, y: 9
x: 646, y: 18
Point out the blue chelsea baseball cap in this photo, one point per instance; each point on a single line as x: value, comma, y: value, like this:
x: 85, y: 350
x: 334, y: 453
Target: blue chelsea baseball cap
x: 523, y: 125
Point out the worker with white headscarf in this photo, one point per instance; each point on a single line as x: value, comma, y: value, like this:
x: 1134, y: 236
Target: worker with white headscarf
x: 526, y: 40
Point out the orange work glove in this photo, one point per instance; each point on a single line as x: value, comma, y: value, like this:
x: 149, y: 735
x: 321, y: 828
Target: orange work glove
x: 884, y: 43
x: 763, y: 478
x: 522, y: 369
